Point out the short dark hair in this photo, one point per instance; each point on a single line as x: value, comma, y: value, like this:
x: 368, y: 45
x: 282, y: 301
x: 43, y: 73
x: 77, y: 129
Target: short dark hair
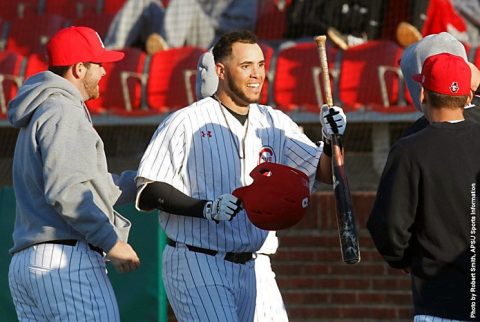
x: 437, y: 100
x: 223, y: 47
x: 62, y: 70
x: 59, y: 70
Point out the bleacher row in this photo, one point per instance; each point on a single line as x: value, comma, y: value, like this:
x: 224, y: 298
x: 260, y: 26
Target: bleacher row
x: 365, y: 79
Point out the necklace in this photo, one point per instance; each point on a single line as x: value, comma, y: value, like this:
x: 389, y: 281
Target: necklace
x: 241, y: 152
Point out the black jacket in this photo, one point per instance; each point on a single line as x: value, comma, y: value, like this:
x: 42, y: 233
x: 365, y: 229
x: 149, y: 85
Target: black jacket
x: 426, y: 212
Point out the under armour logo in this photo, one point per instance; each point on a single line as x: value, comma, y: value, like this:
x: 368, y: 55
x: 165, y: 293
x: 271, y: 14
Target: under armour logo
x: 206, y: 133
x: 454, y: 87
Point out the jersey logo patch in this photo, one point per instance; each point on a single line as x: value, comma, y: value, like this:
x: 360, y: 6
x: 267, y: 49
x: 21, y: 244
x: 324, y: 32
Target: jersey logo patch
x: 266, y: 154
x: 206, y: 134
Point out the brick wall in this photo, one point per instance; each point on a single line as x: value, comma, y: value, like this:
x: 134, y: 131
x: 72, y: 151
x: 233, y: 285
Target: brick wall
x: 318, y: 286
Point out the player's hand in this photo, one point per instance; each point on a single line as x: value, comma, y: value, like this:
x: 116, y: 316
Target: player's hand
x: 123, y: 257
x: 224, y: 207
x: 333, y: 121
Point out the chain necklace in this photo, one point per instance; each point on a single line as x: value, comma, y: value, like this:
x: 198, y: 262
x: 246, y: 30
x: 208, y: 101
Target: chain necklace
x: 241, y: 152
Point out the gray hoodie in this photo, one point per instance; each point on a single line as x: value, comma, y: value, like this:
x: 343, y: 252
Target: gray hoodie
x: 62, y: 186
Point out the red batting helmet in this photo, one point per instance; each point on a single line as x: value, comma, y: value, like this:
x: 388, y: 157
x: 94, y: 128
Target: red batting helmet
x: 277, y: 198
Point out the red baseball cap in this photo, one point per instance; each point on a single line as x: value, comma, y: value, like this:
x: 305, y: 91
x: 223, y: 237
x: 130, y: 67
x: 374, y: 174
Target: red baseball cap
x: 73, y: 45
x: 445, y: 74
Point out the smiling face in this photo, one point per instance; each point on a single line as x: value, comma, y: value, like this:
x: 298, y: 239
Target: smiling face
x: 242, y: 74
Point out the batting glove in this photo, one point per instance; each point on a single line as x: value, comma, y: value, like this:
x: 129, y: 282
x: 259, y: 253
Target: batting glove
x: 333, y: 121
x: 223, y: 208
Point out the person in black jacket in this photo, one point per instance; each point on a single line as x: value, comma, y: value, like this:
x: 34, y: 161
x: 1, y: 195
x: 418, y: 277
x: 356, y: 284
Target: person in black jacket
x: 425, y: 216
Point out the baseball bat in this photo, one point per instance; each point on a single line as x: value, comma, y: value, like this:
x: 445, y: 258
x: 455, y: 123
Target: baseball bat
x: 347, y: 230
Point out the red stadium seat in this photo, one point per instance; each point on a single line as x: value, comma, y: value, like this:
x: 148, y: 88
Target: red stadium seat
x: 3, y: 30
x: 35, y: 64
x: 271, y: 20
x: 10, y: 10
x: 121, y: 87
x: 268, y: 53
x: 112, y: 6
x: 99, y: 23
x: 72, y: 9
x: 297, y: 76
x: 370, y: 78
x: 11, y: 65
x: 33, y: 40
x: 171, y: 78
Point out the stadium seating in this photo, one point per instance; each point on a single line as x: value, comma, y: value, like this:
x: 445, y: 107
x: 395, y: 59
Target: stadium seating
x: 121, y: 88
x: 370, y: 78
x: 271, y: 19
x: 268, y: 52
x: 100, y: 23
x: 112, y: 6
x: 33, y: 40
x: 297, y: 76
x: 171, y: 78
x: 35, y: 64
x: 72, y: 9
x: 365, y: 77
x: 3, y: 31
x: 11, y: 65
x: 11, y: 9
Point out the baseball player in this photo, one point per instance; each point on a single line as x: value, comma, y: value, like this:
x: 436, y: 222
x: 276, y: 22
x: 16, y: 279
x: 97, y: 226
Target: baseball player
x: 65, y: 222
x: 425, y: 215
x: 194, y: 161
x: 269, y: 304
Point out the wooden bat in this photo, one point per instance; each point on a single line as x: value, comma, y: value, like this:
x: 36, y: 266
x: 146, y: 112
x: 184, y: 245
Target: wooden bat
x: 345, y: 218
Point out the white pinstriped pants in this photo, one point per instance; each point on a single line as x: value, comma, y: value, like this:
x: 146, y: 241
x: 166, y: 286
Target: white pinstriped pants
x: 52, y: 282
x: 269, y: 306
x: 202, y: 287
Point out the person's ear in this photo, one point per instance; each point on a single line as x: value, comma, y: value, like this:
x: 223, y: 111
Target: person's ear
x: 220, y: 69
x: 470, y: 97
x: 79, y: 70
x: 423, y: 98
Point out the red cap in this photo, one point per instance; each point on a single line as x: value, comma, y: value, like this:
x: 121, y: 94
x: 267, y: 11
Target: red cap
x: 277, y: 198
x: 73, y: 45
x: 445, y: 74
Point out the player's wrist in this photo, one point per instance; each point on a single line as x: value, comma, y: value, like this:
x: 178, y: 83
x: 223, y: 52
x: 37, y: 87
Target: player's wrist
x: 208, y: 210
x: 327, y: 145
x: 327, y: 148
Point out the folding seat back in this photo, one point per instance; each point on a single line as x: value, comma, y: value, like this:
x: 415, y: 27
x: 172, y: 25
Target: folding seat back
x: 10, y: 10
x: 297, y: 82
x: 11, y: 68
x: 100, y: 23
x: 33, y: 40
x: 122, y: 87
x: 171, y: 78
x: 72, y: 9
x: 271, y: 20
x: 268, y: 53
x: 112, y: 6
x: 370, y: 77
x: 35, y: 64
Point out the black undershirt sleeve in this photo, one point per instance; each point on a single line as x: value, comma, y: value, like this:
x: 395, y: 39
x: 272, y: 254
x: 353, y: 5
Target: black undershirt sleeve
x: 165, y: 197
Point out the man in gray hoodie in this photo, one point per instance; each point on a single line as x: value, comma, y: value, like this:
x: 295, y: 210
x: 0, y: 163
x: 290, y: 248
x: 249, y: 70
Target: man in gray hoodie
x: 65, y: 221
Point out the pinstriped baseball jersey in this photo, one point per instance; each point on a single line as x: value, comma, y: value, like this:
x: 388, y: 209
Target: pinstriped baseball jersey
x: 204, y: 151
